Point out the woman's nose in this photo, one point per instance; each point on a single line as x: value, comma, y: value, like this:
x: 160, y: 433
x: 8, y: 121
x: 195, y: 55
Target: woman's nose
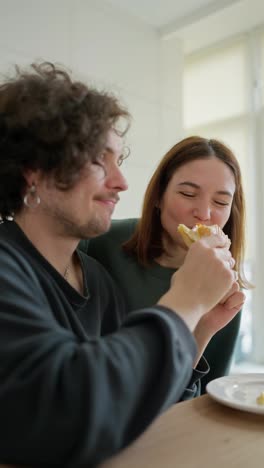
x: 202, y: 212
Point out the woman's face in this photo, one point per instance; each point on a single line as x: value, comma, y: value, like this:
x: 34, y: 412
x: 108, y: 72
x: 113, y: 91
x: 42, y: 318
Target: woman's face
x: 200, y: 191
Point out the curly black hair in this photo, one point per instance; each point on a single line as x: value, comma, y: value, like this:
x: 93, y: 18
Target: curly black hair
x: 52, y: 123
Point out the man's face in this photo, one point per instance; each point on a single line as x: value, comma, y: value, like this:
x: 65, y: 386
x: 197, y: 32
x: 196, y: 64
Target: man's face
x: 86, y: 209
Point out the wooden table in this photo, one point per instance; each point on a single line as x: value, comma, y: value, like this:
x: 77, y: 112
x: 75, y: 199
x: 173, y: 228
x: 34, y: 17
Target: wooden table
x: 197, y: 434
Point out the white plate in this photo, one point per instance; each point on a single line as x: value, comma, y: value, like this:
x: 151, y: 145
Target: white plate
x: 238, y: 391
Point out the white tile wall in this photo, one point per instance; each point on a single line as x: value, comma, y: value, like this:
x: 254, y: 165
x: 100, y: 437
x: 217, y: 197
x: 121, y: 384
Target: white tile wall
x: 105, y: 47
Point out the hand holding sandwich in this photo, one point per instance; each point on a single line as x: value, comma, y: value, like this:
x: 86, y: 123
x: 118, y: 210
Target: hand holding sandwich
x: 206, y: 284
x: 218, y: 317
x: 204, y: 279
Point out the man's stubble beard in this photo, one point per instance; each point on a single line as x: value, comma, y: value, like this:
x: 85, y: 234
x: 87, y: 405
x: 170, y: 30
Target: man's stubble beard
x: 68, y: 226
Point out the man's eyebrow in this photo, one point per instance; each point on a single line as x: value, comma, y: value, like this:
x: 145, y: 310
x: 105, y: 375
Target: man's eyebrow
x: 196, y: 186
x: 122, y: 156
x: 108, y: 149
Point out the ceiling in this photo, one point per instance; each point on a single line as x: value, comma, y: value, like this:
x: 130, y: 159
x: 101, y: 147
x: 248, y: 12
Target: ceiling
x: 170, y: 14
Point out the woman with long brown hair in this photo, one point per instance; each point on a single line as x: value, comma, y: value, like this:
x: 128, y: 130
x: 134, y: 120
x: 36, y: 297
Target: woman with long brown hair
x: 197, y: 182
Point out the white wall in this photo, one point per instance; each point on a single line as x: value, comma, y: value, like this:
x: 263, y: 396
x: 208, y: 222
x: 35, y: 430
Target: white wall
x: 111, y: 50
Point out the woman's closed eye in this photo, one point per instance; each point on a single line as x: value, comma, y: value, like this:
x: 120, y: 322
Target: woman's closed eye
x: 221, y: 203
x: 188, y: 194
x: 193, y: 195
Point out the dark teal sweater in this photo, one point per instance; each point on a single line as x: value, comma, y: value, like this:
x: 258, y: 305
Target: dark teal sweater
x: 142, y: 287
x: 79, y: 377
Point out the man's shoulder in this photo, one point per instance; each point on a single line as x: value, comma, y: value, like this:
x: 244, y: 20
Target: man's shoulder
x: 9, y: 247
x: 15, y: 265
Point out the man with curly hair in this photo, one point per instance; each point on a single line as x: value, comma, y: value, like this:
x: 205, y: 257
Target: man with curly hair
x: 79, y: 377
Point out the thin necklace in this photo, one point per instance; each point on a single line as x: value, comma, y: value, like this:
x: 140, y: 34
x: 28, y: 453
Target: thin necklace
x: 66, y: 273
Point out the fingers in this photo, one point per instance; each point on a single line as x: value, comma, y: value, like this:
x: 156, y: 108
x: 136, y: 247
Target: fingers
x: 230, y: 262
x: 235, y: 300
x: 221, y: 244
x: 217, y: 239
x: 234, y: 288
x: 226, y: 256
x: 235, y: 275
x: 211, y: 275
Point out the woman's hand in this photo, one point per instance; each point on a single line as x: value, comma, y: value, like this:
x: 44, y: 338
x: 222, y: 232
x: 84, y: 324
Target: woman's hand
x: 218, y: 317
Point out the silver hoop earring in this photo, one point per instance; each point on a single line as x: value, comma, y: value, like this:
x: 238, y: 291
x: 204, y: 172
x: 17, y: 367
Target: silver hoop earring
x: 31, y: 199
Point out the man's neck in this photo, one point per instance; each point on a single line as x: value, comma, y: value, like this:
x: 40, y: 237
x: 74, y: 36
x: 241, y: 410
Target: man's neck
x: 53, y: 246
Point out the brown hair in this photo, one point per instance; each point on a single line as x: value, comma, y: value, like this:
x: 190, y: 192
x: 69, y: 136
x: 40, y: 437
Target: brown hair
x: 52, y: 123
x: 146, y: 242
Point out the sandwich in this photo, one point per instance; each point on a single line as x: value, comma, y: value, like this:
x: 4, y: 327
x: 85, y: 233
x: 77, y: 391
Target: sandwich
x: 197, y: 232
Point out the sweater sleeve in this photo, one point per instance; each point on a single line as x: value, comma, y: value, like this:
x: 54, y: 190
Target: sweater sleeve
x: 194, y: 387
x: 69, y: 402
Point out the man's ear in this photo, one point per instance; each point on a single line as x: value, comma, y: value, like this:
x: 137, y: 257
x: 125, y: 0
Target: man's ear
x: 31, y: 176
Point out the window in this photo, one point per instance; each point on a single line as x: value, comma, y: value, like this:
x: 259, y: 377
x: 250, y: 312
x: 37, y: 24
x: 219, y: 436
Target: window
x: 223, y: 99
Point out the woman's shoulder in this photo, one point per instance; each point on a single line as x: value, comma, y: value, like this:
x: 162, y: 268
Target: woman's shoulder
x: 122, y: 229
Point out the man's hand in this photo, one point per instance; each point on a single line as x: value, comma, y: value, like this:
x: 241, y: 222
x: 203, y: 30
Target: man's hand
x: 202, y: 281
